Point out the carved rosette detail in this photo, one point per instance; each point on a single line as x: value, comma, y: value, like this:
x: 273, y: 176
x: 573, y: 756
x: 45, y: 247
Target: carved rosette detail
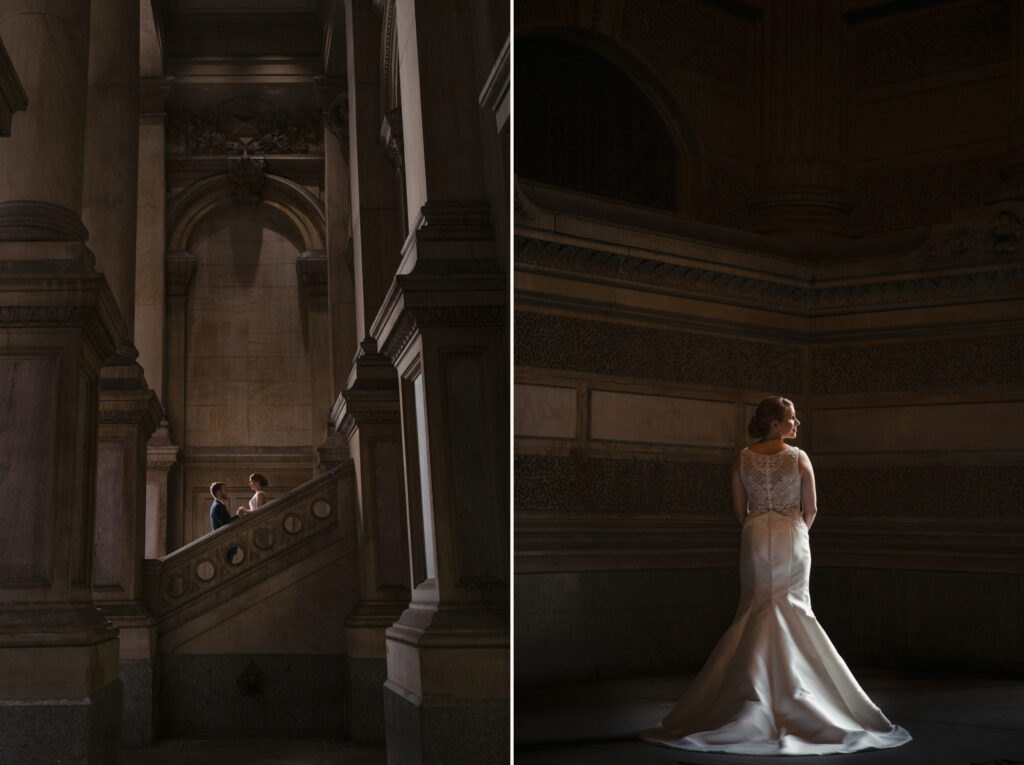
x: 999, y: 240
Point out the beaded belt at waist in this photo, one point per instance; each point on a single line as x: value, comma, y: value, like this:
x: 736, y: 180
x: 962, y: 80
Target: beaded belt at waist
x: 793, y: 512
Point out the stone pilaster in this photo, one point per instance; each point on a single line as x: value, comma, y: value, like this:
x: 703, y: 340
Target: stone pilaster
x: 368, y: 417
x: 109, y: 197
x: 802, y: 189
x: 61, y: 697
x: 161, y: 458
x: 312, y: 273
x: 128, y: 414
x: 443, y: 325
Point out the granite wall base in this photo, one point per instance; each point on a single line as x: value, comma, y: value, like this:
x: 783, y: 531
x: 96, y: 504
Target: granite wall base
x: 445, y: 731
x: 253, y: 694
x: 366, y: 705
x: 63, y: 731
x: 582, y: 626
x: 139, y: 679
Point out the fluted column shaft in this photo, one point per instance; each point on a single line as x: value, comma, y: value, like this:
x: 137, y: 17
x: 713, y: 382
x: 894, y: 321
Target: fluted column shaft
x: 801, y: 185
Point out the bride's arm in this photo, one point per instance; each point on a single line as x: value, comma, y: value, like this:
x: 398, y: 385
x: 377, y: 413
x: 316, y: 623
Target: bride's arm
x: 739, y: 493
x: 260, y: 499
x: 808, y: 493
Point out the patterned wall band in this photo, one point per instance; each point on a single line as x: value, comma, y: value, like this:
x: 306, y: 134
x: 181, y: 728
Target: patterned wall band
x: 598, y: 347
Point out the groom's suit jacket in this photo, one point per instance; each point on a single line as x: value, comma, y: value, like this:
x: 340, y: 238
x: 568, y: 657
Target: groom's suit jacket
x: 219, y: 515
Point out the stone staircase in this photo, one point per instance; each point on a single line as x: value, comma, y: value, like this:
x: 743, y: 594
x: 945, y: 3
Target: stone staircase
x: 249, y: 614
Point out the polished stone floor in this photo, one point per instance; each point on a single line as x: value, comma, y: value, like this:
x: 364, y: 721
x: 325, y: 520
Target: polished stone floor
x: 954, y: 721
x: 250, y: 751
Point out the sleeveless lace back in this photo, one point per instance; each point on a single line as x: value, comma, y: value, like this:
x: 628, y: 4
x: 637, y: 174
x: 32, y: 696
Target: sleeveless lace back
x: 772, y: 481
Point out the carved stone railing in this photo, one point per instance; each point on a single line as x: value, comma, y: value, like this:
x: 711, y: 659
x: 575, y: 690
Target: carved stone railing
x: 285, y: 531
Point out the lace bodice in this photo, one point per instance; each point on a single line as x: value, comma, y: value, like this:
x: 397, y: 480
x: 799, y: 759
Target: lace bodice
x: 772, y: 481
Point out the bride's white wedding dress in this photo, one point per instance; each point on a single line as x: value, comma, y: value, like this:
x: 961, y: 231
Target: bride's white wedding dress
x: 774, y: 684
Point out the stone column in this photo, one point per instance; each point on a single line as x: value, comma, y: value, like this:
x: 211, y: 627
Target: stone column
x: 444, y: 329
x: 179, y: 268
x: 802, y: 186
x: 109, y: 198
x: 368, y: 417
x: 61, y: 698
x: 311, y: 268
x: 161, y: 458
x: 128, y: 414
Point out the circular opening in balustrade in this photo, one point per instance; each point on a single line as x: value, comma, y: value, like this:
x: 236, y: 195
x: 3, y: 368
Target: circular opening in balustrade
x: 175, y: 586
x: 263, y: 538
x: 235, y: 555
x: 321, y: 508
x: 205, y: 571
x: 293, y: 524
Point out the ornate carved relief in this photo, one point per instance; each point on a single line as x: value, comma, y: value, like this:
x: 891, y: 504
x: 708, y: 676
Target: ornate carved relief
x: 246, y: 176
x: 597, y: 347
x: 921, y: 492
x: 390, y: 97
x: 246, y: 122
x: 999, y: 240
x: 691, y: 36
x: 920, y: 196
x: 591, y: 486
x: 920, y: 365
x: 924, y: 45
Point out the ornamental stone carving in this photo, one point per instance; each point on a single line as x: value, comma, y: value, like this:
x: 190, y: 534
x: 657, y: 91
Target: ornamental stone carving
x: 999, y: 239
x: 599, y: 347
x: 960, y: 36
x: 246, y: 175
x: 954, y: 363
x: 589, y: 486
x: 246, y: 122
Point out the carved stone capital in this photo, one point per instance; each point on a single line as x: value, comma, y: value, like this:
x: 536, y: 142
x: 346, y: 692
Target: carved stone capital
x: 23, y: 220
x: 179, y: 268
x: 311, y: 269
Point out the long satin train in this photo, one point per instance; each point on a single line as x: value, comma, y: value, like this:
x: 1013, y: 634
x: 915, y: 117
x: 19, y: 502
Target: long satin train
x: 775, y: 684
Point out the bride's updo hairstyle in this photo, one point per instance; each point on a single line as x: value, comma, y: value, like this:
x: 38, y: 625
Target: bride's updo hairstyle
x: 769, y: 409
x: 258, y: 478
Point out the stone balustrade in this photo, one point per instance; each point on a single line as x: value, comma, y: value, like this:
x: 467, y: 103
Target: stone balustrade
x: 213, y: 569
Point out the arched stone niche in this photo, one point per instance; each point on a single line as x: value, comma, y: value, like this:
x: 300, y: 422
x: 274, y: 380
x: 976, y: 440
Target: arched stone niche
x: 626, y: 140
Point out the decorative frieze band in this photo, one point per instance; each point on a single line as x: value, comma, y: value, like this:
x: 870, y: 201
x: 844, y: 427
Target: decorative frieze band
x: 598, y: 347
x: 757, y: 290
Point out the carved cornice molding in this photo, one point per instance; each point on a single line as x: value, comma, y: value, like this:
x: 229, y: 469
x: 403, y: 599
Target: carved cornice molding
x: 455, y: 220
x: 415, y: 319
x: 88, y: 318
x: 796, y: 294
x: 389, y: 94
x: 140, y: 409
x: 23, y: 220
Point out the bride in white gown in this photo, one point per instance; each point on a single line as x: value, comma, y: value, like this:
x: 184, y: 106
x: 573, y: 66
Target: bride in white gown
x: 774, y: 684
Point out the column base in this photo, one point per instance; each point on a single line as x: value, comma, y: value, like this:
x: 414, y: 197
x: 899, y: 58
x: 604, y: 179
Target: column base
x: 445, y: 731
x: 58, y: 731
x: 366, y: 679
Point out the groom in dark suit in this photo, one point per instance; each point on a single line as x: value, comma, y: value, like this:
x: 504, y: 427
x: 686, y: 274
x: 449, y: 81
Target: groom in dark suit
x: 219, y: 515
